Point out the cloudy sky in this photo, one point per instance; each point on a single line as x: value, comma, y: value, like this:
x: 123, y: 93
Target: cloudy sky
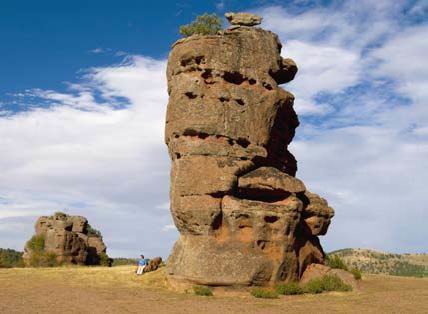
x: 83, y: 99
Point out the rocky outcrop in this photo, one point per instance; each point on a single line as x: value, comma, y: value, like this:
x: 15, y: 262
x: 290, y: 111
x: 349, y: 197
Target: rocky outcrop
x: 243, y: 216
x: 70, y: 238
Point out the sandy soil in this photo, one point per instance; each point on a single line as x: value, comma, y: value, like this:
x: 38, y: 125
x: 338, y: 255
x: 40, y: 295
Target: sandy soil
x: 118, y: 290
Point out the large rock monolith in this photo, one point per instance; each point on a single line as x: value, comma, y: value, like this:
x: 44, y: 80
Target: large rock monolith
x: 243, y: 216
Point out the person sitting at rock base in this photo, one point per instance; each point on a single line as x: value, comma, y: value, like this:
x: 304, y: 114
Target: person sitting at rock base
x: 142, y: 263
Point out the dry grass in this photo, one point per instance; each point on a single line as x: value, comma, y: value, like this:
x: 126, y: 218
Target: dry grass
x: 119, y: 290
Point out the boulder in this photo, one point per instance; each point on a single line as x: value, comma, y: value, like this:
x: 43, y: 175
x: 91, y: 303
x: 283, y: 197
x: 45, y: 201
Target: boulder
x: 245, y: 19
x: 314, y: 271
x: 153, y: 264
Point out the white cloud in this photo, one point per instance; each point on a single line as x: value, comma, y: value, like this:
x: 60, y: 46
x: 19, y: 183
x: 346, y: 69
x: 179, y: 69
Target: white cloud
x: 85, y: 155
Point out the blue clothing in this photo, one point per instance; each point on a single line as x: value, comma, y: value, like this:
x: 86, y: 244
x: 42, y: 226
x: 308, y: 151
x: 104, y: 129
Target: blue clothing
x: 143, y: 261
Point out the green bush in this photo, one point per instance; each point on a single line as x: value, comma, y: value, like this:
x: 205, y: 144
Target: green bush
x: 105, y: 260
x: 326, y: 283
x: 264, y: 293
x: 202, y: 291
x: 335, y: 261
x: 36, y: 243
x: 357, y: 273
x: 291, y: 288
x: 43, y: 259
x: 206, y: 24
x: 10, y: 258
x: 92, y: 232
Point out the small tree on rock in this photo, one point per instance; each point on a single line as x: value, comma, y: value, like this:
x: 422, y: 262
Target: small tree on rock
x: 206, y: 24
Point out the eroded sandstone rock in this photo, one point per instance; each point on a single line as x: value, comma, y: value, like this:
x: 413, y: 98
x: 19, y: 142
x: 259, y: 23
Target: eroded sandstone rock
x: 70, y: 238
x: 243, y: 216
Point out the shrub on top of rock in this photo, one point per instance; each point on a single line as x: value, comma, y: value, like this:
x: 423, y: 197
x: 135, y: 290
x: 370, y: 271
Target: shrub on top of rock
x: 206, y: 24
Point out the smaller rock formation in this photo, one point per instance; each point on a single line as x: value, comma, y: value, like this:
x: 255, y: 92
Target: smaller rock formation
x: 153, y: 265
x: 244, y: 19
x: 315, y: 271
x: 69, y: 238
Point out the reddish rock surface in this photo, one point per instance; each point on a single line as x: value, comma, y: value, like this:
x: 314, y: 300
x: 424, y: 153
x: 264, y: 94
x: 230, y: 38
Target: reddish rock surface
x: 243, y: 216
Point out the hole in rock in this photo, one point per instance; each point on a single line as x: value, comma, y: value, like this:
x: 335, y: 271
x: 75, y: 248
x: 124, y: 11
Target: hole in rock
x: 267, y: 86
x: 233, y: 77
x: 207, y: 74
x: 252, y: 81
x: 261, y: 244
x: 177, y: 155
x: 190, y: 95
x: 243, y: 142
x: 223, y: 99
x: 271, y: 219
x: 240, y: 102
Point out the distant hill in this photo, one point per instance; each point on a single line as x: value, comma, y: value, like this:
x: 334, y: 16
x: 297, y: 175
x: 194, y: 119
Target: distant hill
x: 377, y: 262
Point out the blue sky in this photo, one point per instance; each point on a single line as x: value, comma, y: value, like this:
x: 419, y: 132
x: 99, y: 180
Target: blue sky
x: 83, y: 98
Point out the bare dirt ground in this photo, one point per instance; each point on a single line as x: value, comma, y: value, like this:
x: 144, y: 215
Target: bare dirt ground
x: 119, y: 290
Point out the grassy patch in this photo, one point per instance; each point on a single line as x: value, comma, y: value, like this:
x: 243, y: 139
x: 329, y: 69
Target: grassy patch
x: 202, y: 291
x: 291, y: 288
x: 264, y: 293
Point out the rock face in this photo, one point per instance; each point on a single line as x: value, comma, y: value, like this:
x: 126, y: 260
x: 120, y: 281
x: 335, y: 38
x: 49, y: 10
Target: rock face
x: 243, y: 216
x: 70, y: 238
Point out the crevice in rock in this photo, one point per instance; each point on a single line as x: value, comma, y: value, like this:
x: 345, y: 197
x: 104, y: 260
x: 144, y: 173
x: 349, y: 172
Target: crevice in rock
x: 217, y: 222
x: 265, y: 196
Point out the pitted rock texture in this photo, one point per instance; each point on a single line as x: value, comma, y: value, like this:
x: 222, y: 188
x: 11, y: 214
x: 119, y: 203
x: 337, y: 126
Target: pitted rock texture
x: 243, y: 216
x: 69, y: 238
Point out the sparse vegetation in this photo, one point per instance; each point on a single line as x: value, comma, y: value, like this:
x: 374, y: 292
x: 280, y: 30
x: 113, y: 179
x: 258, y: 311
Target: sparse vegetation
x: 10, y: 258
x: 326, y: 283
x: 105, y: 260
x: 36, y: 243
x: 202, y: 291
x: 120, y: 261
x: 264, y: 293
x: 292, y: 288
x: 375, y: 262
x: 206, y: 24
x: 92, y: 232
